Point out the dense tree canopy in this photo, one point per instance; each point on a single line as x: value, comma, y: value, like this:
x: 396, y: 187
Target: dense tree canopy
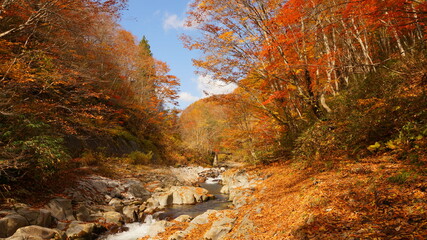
x: 68, y: 71
x: 304, y: 63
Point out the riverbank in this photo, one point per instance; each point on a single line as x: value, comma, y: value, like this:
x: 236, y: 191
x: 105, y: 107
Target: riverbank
x: 90, y: 204
x: 375, y: 198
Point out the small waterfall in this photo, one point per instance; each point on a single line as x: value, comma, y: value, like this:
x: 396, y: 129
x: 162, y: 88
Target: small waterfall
x: 136, y: 230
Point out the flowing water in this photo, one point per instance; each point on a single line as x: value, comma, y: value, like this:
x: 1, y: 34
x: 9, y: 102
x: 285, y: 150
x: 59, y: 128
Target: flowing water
x: 138, y: 230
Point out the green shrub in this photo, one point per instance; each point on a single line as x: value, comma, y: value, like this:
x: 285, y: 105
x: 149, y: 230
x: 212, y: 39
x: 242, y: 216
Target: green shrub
x: 91, y: 158
x: 140, y: 158
x: 400, y: 178
x: 48, y: 153
x: 122, y: 132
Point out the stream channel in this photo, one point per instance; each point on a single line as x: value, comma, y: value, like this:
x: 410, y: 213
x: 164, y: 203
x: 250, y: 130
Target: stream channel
x: 138, y: 230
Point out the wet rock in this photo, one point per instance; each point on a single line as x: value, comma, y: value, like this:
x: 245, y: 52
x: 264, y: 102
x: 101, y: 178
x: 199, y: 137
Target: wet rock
x: 10, y: 223
x: 61, y: 209
x: 37, y: 233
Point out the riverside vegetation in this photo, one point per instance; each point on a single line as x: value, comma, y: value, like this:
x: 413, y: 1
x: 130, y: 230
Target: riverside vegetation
x: 329, y: 114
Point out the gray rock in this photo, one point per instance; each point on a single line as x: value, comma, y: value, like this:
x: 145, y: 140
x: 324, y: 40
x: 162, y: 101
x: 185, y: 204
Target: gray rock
x: 135, y: 189
x: 61, y: 209
x: 220, y: 228
x: 80, y: 230
x: 203, y: 218
x: 10, y: 223
x: 37, y: 233
x: 39, y: 217
x: 100, y: 184
x: 235, y: 179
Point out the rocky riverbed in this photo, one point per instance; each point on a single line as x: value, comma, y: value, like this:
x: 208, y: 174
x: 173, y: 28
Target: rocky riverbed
x: 212, y: 224
x: 98, y: 204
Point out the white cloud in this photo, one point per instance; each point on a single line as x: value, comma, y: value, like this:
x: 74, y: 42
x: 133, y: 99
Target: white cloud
x: 187, y: 97
x: 209, y: 86
x: 172, y: 21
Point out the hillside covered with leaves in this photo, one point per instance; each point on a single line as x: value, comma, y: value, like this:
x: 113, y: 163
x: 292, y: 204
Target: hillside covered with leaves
x: 76, y: 88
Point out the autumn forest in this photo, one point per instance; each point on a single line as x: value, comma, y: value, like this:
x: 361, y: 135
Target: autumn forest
x: 320, y: 83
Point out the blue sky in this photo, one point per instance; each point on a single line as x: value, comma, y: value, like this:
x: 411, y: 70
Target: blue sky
x: 161, y: 22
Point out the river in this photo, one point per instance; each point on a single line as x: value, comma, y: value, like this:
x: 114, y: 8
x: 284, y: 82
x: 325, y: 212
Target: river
x: 138, y: 230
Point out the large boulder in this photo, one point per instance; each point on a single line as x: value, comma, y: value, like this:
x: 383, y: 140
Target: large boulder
x: 188, y: 195
x: 37, y: 233
x: 10, y: 223
x: 39, y: 217
x: 95, y: 189
x: 113, y: 217
x: 61, y: 209
x: 135, y: 189
x: 80, y: 230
